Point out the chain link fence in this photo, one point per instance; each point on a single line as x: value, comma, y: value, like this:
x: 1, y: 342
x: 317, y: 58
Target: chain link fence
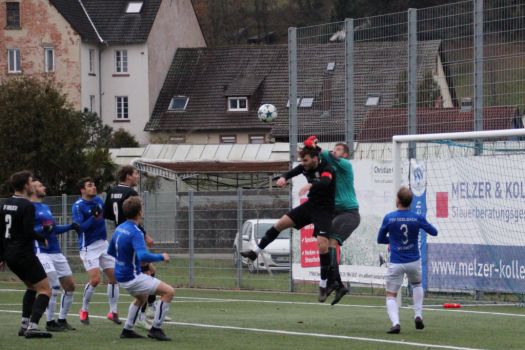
x: 200, y: 231
x: 450, y: 68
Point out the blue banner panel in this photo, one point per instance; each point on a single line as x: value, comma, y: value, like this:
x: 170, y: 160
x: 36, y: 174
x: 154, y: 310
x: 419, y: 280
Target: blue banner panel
x: 488, y: 268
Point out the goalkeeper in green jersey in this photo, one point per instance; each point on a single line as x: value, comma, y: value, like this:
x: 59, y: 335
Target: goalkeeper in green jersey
x: 346, y: 215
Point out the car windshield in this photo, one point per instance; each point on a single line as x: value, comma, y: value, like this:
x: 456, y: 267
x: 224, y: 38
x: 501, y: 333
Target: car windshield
x: 262, y: 227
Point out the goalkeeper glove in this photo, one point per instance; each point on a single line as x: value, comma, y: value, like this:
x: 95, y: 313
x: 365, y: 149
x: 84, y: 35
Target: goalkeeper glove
x: 311, y: 142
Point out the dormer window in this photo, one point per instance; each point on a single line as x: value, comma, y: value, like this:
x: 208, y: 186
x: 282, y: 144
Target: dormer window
x: 372, y: 100
x: 134, y: 6
x: 178, y: 103
x: 237, y: 104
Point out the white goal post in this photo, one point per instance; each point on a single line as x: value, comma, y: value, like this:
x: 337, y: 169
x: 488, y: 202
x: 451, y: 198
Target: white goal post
x: 471, y: 186
x: 397, y: 140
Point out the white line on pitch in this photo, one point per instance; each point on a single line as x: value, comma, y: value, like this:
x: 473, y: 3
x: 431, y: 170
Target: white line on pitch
x: 313, y: 335
x: 280, y: 302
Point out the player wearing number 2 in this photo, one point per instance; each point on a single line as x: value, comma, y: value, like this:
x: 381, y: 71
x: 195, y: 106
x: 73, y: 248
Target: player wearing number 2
x: 400, y: 229
x: 17, y: 222
x: 87, y: 214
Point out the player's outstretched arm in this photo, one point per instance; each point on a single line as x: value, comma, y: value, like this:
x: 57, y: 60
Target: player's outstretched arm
x: 59, y: 229
x: 382, y: 236
x: 427, y: 227
x: 78, y: 218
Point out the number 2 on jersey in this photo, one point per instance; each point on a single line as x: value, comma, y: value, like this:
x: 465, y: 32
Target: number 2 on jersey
x: 8, y: 220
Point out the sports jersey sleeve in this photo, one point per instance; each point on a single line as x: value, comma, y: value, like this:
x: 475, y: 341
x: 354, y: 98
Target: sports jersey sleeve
x: 298, y: 170
x: 325, y: 178
x: 59, y: 229
x: 108, y: 208
x: 382, y: 237
x: 79, y: 218
x: 142, y: 253
x: 427, y: 227
x: 28, y: 224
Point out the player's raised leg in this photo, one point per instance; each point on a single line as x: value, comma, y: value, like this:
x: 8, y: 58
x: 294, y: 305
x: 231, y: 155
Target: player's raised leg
x: 166, y: 293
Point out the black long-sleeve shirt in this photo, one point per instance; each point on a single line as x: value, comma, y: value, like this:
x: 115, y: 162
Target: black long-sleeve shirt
x: 17, y: 223
x: 322, y: 179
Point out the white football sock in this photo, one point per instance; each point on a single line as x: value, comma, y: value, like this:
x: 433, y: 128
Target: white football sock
x: 133, y: 313
x: 65, y: 305
x: 88, y: 293
x: 417, y: 296
x: 160, y: 313
x: 393, y: 310
x: 113, y: 295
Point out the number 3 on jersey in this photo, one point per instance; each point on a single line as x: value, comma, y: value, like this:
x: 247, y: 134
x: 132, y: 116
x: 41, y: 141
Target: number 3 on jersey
x: 404, y: 232
x: 115, y: 211
x: 8, y: 220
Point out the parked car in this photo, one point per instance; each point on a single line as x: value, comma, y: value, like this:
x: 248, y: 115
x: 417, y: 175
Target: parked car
x: 275, y: 257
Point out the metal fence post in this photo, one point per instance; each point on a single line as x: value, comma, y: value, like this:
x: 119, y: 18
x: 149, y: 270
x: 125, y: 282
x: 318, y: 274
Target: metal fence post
x: 63, y: 241
x: 349, y: 85
x: 412, y: 79
x: 478, y: 72
x: 239, y: 235
x: 292, y: 82
x: 191, y: 237
x: 145, y: 204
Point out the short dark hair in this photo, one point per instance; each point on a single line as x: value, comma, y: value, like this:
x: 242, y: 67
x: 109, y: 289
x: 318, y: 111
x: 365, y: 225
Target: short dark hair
x: 132, y: 207
x: 346, y: 149
x: 405, y: 196
x: 81, y: 184
x: 20, y: 179
x: 124, y: 171
x: 306, y: 151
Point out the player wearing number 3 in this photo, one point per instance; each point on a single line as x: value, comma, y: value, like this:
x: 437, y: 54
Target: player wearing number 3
x: 87, y: 214
x: 400, y: 229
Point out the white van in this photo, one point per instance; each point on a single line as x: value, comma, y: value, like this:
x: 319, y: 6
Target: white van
x: 275, y: 257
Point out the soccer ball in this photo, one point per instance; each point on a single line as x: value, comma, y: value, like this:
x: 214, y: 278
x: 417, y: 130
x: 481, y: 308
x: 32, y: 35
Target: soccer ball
x: 267, y: 113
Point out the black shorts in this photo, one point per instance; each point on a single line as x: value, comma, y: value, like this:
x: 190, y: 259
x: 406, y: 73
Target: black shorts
x: 343, y: 224
x: 308, y: 213
x: 27, y: 267
x: 144, y: 267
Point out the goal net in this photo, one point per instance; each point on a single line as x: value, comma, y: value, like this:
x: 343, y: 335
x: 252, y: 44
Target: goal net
x: 471, y: 186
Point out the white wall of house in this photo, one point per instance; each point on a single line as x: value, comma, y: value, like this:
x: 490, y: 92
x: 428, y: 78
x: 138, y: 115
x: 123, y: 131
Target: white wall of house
x: 134, y: 84
x: 90, y: 76
x: 175, y: 26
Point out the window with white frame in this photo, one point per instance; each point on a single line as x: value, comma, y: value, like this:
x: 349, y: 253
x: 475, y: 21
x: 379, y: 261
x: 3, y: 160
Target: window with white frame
x: 91, y: 103
x: 13, y: 61
x: 92, y: 61
x: 256, y: 139
x: 121, y: 61
x: 178, y: 103
x: 237, y: 104
x: 134, y: 6
x: 49, y: 59
x: 228, y: 139
x: 122, y: 107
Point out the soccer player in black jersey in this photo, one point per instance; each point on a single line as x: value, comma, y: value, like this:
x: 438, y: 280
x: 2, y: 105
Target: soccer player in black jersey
x: 128, y: 177
x: 17, y: 236
x: 318, y: 210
